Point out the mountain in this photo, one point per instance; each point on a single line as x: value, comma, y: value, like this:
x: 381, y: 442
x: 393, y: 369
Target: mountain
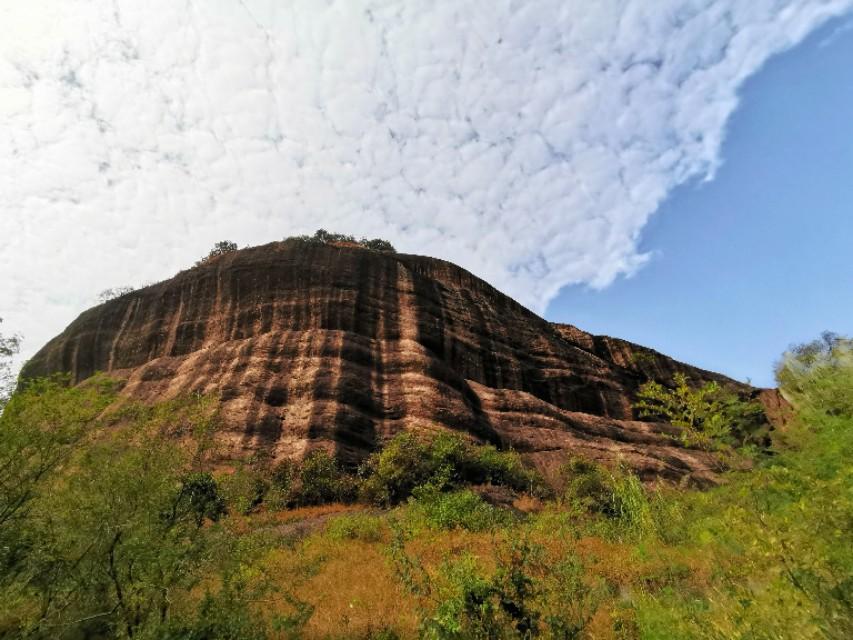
x: 316, y: 345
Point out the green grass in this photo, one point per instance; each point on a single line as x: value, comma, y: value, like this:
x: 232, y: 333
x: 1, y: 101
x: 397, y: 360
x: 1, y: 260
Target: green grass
x: 113, y: 523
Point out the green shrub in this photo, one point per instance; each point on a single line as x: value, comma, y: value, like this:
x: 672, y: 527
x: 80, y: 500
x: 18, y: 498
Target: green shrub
x: 461, y: 509
x: 321, y: 236
x: 630, y: 504
x: 485, y: 464
x: 616, y: 494
x: 779, y: 534
x: 709, y: 416
x: 232, y: 612
x: 9, y: 348
x: 819, y: 375
x: 114, y: 521
x: 588, y: 485
x: 282, y: 480
x: 219, y: 249
x: 359, y: 526
x: 445, y: 461
x: 390, y: 475
x: 321, y: 480
x: 245, y: 489
x: 524, y: 597
x: 199, y: 494
x: 317, y: 479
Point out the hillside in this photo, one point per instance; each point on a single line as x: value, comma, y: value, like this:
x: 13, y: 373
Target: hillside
x: 341, y: 348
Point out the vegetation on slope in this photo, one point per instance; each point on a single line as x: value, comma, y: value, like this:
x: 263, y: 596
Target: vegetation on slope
x: 321, y: 236
x: 109, y: 529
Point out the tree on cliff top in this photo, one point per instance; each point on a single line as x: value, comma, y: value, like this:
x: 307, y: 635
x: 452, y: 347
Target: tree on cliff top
x: 321, y: 236
x: 219, y: 249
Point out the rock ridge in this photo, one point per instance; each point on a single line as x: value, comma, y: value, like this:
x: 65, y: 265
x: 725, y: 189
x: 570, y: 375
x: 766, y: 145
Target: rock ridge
x: 341, y: 347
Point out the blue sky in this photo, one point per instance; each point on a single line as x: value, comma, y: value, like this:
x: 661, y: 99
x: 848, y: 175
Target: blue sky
x: 761, y: 256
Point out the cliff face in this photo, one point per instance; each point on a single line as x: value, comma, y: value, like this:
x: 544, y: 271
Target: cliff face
x: 339, y: 347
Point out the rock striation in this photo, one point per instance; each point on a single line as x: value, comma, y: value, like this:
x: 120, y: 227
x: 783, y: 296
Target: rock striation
x: 340, y: 347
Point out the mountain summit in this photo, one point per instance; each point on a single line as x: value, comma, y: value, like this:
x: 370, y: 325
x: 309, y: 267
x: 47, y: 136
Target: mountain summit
x: 319, y: 345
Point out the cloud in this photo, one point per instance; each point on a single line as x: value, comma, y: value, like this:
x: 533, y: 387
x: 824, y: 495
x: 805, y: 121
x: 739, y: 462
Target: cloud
x: 527, y: 141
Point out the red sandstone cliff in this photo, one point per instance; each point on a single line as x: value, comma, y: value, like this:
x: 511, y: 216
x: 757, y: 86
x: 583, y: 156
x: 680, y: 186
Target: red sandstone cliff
x: 311, y: 345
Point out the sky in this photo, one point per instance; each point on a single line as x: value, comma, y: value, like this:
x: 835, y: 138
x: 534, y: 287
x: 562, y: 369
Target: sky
x: 588, y: 159
x: 760, y: 257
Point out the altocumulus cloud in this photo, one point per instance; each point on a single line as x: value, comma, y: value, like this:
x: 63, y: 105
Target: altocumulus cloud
x: 526, y: 140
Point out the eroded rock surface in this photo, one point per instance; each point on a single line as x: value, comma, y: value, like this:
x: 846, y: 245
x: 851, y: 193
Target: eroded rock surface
x: 339, y: 347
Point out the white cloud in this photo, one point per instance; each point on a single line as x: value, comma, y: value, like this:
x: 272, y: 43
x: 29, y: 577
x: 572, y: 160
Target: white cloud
x: 528, y: 141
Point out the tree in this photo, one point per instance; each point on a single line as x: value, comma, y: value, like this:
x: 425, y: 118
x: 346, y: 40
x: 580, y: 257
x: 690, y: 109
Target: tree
x: 321, y: 236
x: 219, y: 249
x: 113, y: 293
x: 108, y: 522
x: 9, y: 348
x: 708, y: 416
x: 818, y: 374
x: 377, y: 244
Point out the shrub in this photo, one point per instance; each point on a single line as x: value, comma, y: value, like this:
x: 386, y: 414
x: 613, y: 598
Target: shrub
x: 360, y: 526
x: 445, y: 461
x: 389, y: 476
x: 321, y: 480
x: 113, y: 516
x: 199, y: 495
x: 454, y: 510
x: 486, y: 464
x: 524, y: 597
x: 321, y: 236
x: 233, y: 611
x: 9, y: 348
x: 708, y: 416
x: 40, y: 428
x: 219, y: 249
x: 245, y: 489
x: 377, y: 244
x: 282, y: 479
x: 616, y: 494
x: 819, y: 374
x: 113, y: 293
x: 317, y: 479
x: 588, y: 485
x: 629, y: 504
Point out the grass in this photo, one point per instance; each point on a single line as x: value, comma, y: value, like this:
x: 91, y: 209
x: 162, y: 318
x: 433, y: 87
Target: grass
x: 765, y: 555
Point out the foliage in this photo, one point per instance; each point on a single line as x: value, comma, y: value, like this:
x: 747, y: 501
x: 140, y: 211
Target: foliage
x: 219, y: 249
x: 227, y: 612
x: 462, y: 509
x: 359, y: 526
x: 38, y: 431
x: 109, y: 515
x: 113, y: 293
x: 199, y: 495
x: 444, y: 462
x: 245, y: 489
x: 780, y: 533
x: 115, y: 498
x: 524, y: 597
x: 817, y: 374
x: 317, y: 479
x: 9, y: 347
x: 322, y: 480
x: 709, y: 416
x: 588, y: 485
x: 321, y: 236
x: 616, y: 494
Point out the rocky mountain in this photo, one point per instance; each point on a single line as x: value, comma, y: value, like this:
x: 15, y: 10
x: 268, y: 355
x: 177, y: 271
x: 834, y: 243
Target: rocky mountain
x: 312, y: 345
